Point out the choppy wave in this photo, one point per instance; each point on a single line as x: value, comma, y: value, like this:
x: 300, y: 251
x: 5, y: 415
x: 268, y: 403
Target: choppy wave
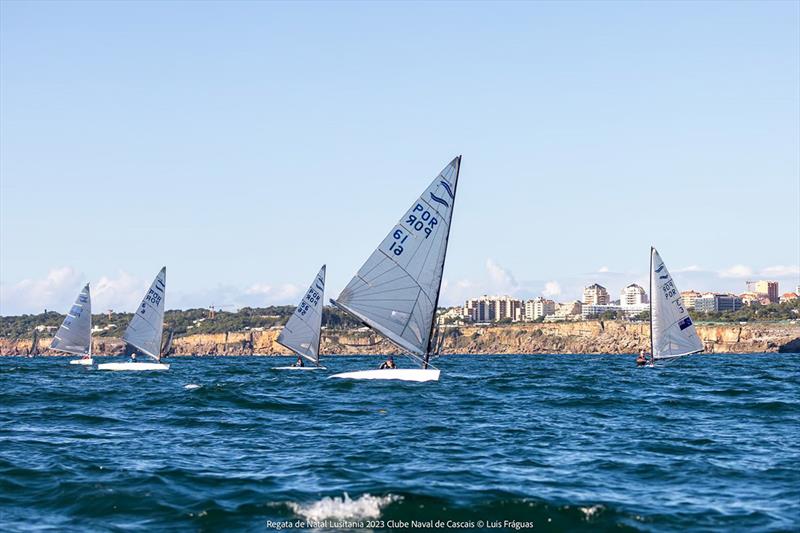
x: 559, y: 442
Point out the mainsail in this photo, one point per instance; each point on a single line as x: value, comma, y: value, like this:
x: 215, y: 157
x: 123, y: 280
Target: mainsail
x: 144, y: 331
x: 301, y: 333
x: 75, y: 334
x: 672, y: 333
x: 396, y: 291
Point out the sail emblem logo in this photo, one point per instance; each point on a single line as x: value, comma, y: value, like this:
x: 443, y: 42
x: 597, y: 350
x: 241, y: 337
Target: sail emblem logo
x: 449, y: 192
x: 685, y: 323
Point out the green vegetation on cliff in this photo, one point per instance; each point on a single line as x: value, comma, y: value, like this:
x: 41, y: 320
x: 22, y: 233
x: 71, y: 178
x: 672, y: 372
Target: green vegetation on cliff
x: 184, y: 322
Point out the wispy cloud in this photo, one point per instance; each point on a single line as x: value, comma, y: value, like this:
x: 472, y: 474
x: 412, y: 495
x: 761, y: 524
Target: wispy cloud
x: 552, y: 289
x: 123, y: 292
x: 736, y: 271
x: 57, y: 289
x: 500, y: 277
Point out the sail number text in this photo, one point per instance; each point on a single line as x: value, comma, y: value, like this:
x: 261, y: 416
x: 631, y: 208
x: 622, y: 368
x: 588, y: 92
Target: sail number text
x: 419, y: 220
x: 312, y: 297
x: 670, y: 292
x: 153, y: 297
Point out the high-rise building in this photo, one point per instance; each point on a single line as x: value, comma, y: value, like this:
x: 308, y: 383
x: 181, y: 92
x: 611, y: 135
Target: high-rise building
x: 633, y: 294
x: 766, y: 288
x: 493, y: 309
x: 538, y: 308
x: 595, y: 295
x: 689, y: 298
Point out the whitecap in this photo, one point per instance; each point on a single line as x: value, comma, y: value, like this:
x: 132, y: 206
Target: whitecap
x: 590, y: 512
x: 192, y: 386
x: 344, y: 508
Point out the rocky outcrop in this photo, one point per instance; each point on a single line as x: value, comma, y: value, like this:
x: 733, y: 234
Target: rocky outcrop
x: 567, y: 337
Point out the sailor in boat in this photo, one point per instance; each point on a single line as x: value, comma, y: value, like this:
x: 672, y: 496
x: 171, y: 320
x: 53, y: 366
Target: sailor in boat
x: 133, y: 357
x: 299, y: 362
x: 388, y: 364
x: 642, y: 359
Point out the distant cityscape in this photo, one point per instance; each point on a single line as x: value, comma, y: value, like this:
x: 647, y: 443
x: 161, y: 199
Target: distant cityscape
x: 633, y: 303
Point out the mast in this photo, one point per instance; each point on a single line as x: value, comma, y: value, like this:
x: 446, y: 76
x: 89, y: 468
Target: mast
x: 444, y: 259
x: 652, y: 349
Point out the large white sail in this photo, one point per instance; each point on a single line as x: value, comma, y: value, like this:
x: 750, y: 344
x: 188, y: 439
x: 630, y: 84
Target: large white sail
x: 397, y: 290
x: 672, y: 333
x: 301, y: 332
x: 75, y: 334
x: 147, y: 324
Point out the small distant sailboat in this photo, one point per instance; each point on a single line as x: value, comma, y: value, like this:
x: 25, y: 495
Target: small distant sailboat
x: 672, y: 333
x: 145, y: 329
x: 396, y: 292
x: 301, y: 334
x: 75, y: 334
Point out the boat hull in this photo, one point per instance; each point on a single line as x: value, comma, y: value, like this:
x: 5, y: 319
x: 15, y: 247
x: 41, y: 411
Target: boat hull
x: 299, y: 368
x: 86, y: 362
x: 397, y: 374
x: 133, y: 367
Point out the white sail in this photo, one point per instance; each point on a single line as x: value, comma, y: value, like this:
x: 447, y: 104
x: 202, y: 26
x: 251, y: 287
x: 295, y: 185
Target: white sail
x: 301, y: 333
x: 397, y: 290
x: 144, y: 331
x: 672, y: 333
x: 75, y: 334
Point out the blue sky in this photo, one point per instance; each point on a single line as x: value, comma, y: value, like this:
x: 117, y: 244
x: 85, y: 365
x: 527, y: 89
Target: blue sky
x: 245, y: 144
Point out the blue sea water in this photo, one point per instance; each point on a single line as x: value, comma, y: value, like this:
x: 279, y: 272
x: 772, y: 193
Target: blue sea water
x: 558, y: 442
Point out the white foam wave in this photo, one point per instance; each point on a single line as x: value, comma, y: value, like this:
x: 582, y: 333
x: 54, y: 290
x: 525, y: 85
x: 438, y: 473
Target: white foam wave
x: 590, y: 512
x: 192, y: 386
x: 344, y: 508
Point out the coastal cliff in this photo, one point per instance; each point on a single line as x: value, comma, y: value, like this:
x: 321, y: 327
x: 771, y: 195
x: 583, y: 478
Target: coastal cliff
x: 588, y: 337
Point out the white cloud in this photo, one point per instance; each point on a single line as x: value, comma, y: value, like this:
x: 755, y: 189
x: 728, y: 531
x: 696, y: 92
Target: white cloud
x: 551, y: 289
x: 456, y: 293
x: 690, y: 268
x: 121, y: 293
x: 603, y: 269
x: 56, y: 291
x: 273, y: 295
x: 737, y: 271
x: 500, y: 278
x: 779, y: 271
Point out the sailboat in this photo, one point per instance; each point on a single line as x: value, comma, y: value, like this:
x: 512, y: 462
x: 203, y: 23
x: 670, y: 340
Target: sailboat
x: 672, y: 333
x: 145, y: 329
x: 301, y: 334
x: 75, y: 334
x: 396, y: 292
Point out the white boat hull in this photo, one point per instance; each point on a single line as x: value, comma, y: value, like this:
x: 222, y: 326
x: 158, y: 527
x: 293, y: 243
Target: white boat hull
x: 133, y: 366
x: 299, y: 368
x: 87, y: 362
x: 399, y: 374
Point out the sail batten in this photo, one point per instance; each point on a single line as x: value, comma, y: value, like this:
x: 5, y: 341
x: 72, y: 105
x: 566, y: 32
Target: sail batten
x: 146, y: 327
x: 396, y: 290
x: 672, y: 332
x: 301, y: 334
x: 75, y: 334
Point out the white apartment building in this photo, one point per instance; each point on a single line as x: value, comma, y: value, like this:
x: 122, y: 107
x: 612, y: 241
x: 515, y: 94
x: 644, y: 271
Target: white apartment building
x: 633, y: 294
x: 539, y: 307
x: 595, y: 295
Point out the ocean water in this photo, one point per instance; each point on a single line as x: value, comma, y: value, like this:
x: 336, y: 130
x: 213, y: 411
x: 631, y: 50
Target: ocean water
x: 559, y: 442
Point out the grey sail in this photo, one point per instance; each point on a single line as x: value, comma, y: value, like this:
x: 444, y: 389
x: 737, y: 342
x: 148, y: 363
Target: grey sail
x: 397, y: 290
x: 301, y: 334
x: 672, y: 333
x: 75, y: 334
x: 147, y: 324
